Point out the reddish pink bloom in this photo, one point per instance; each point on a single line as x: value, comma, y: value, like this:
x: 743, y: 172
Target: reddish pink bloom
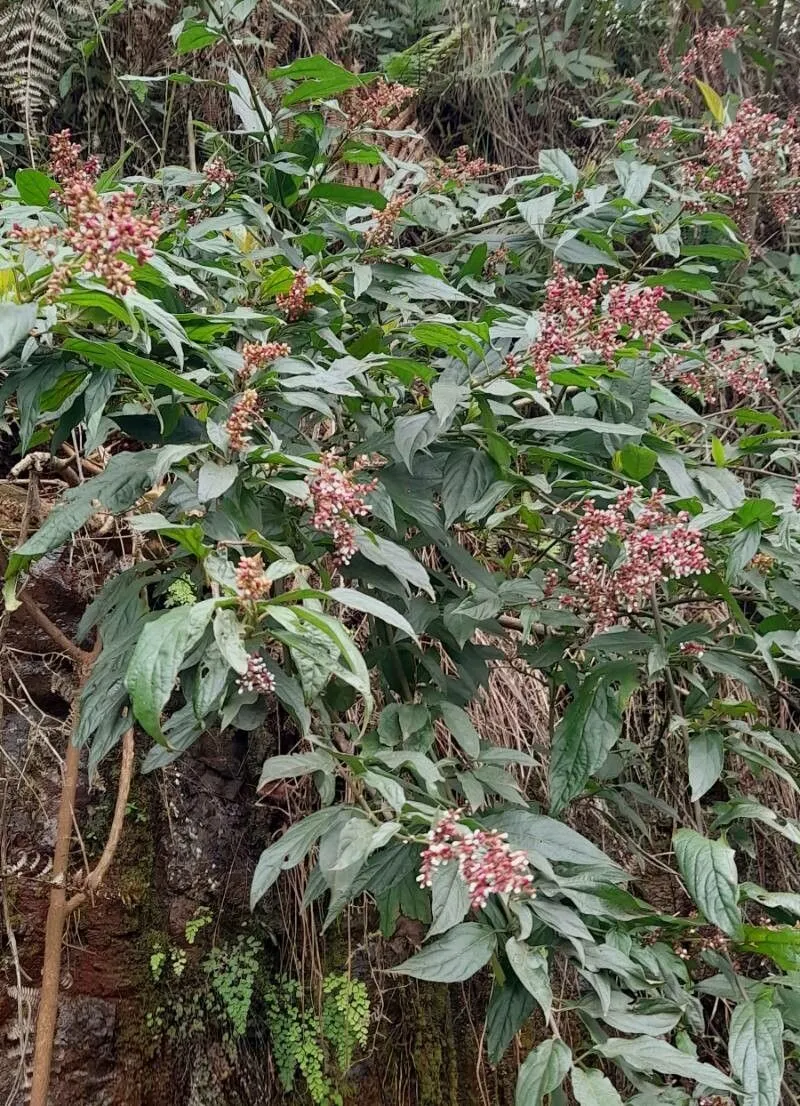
x: 465, y: 168
x: 485, y: 861
x: 654, y: 547
x: 251, y: 581
x: 257, y: 677
x: 337, y: 501
x: 382, y: 233
x: 245, y: 414
x: 704, y: 56
x: 294, y: 302
x: 217, y: 172
x: 796, y: 497
x: 574, y: 322
x: 375, y: 104
x: 99, y: 227
x: 692, y: 648
x: 257, y: 355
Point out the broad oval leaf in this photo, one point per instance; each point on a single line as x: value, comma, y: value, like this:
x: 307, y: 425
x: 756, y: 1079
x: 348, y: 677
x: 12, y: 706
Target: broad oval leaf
x: 542, y: 1072
x: 755, y: 1048
x: 709, y: 871
x: 453, y: 958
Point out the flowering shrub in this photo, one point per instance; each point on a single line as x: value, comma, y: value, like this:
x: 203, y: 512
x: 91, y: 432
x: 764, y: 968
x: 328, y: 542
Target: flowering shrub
x: 367, y: 475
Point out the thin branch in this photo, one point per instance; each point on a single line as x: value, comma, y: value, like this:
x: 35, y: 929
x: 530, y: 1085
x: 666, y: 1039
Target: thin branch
x: 95, y: 877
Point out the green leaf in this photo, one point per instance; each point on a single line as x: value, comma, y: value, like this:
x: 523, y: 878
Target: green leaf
x: 319, y: 79
x: 453, y: 958
x: 531, y: 969
x: 291, y: 848
x: 649, y: 1054
x: 467, y: 475
x: 146, y: 372
x: 195, y: 36
x: 536, y: 212
x: 125, y: 478
x: 213, y: 480
x: 16, y: 320
x: 228, y: 632
x: 157, y: 658
x: 35, y: 188
x: 510, y: 1006
x: 706, y: 759
x: 637, y: 461
x: 296, y: 764
x: 348, y: 195
x: 713, y: 101
x: 559, y: 164
x: 542, y: 1072
x: 359, y: 601
x: 755, y: 1048
x: 572, y: 424
x: 779, y: 943
x: 536, y: 833
x: 709, y: 872
x: 460, y: 726
x: 449, y: 898
x: 398, y: 560
x: 592, y: 1088
x: 582, y: 740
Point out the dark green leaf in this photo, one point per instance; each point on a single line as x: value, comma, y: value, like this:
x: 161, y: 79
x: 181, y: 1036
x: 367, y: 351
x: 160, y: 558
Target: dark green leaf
x: 453, y: 958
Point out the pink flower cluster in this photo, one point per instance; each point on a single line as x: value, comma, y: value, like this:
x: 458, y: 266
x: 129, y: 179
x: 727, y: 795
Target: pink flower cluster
x: 485, y: 861
x: 382, y: 233
x: 257, y: 677
x: 375, y: 104
x: 767, y: 144
x: 465, y: 168
x: 654, y: 546
x: 573, y: 321
x: 704, y: 56
x: 257, y: 355
x: 691, y: 648
x: 294, y: 302
x: 724, y: 369
x: 337, y: 501
x: 217, y: 172
x: 245, y: 414
x: 796, y: 497
x: 99, y: 227
x: 494, y: 260
x: 251, y: 581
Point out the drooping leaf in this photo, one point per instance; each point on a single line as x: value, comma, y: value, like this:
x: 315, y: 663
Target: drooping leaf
x: 582, y: 740
x: 449, y: 898
x: 157, y: 658
x: 650, y: 1054
x: 706, y: 758
x: 709, y: 870
x: 542, y: 1072
x: 592, y: 1088
x: 755, y: 1048
x: 532, y: 970
x: 453, y: 958
x: 16, y: 320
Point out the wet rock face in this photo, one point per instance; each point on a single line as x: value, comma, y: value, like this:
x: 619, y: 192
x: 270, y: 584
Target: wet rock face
x: 191, y: 839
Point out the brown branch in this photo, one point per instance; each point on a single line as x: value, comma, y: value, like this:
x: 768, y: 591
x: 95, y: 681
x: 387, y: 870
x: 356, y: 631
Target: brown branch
x: 32, y: 608
x: 54, y: 931
x: 95, y: 877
